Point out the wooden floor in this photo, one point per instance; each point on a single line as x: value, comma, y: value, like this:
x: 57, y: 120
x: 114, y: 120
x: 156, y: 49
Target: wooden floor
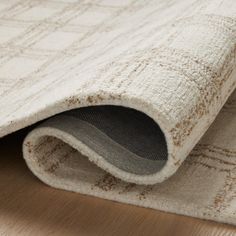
x: 29, y: 207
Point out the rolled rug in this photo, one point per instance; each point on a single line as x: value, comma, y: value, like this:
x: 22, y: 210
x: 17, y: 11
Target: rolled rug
x: 127, y: 91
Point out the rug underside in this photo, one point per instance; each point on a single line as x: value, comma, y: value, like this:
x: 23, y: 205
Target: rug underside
x: 137, y: 99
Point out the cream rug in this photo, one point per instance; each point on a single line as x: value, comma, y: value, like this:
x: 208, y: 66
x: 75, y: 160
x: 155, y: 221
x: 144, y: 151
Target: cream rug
x: 137, y: 84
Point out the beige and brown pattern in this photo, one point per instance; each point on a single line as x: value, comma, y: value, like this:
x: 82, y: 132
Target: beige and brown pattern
x: 173, y: 60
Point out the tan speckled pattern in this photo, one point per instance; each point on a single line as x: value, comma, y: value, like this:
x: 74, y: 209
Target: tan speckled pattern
x: 174, y: 60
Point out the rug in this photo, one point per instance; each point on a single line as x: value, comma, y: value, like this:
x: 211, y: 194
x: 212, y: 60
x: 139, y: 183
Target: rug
x: 135, y: 99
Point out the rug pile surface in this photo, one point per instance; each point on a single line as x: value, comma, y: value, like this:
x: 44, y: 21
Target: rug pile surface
x: 136, y: 99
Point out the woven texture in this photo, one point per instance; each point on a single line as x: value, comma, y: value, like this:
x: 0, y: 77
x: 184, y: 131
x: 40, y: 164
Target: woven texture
x: 172, y: 60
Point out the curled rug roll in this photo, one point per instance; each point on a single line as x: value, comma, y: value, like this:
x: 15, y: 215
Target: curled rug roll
x: 127, y: 91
